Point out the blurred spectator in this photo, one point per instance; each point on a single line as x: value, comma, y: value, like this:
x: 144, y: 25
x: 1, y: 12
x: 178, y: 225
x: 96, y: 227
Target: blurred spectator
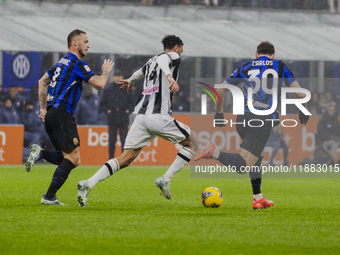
x: 328, y: 131
x: 15, y: 96
x: 1, y: 95
x: 326, y: 101
x: 211, y: 2
x: 331, y: 6
x: 88, y: 108
x: 34, y: 131
x: 313, y: 105
x: 117, y: 104
x: 277, y: 142
x: 181, y: 102
x: 9, y: 114
x: 1, y: 106
x: 33, y: 96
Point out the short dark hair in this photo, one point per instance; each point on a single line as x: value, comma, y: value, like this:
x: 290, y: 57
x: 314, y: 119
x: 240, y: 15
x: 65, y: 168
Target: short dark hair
x: 265, y: 48
x: 73, y: 34
x: 170, y: 41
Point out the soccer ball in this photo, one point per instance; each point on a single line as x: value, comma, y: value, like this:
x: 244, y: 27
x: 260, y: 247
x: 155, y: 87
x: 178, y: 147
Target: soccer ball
x: 211, y: 197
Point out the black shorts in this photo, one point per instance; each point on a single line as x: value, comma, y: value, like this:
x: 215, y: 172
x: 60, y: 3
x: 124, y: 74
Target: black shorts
x: 254, y: 139
x: 61, y: 127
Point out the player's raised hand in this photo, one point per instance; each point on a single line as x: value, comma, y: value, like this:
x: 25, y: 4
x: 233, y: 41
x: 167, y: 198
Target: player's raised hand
x: 125, y: 85
x: 42, y: 114
x: 107, y: 65
x: 173, y: 84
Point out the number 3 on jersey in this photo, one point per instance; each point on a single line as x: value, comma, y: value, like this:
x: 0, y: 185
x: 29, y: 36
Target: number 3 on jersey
x: 55, y: 76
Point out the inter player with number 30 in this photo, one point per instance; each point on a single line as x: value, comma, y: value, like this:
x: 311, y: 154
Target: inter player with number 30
x: 264, y: 70
x: 59, y: 92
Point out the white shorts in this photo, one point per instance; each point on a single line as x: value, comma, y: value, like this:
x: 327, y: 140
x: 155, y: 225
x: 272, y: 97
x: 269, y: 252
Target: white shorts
x: 147, y: 127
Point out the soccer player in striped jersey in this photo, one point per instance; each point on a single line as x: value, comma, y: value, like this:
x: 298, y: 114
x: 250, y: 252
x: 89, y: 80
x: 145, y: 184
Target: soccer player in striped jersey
x: 59, y: 92
x: 254, y: 139
x: 153, y: 119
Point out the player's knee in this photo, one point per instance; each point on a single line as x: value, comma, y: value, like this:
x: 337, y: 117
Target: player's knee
x: 191, y: 142
x: 76, y: 159
x: 77, y: 162
x: 194, y: 142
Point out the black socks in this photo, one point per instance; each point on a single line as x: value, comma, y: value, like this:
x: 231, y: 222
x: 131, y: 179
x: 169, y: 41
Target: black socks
x: 59, y: 177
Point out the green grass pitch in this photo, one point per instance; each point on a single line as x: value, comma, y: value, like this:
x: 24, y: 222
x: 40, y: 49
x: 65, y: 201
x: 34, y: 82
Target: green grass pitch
x: 126, y: 215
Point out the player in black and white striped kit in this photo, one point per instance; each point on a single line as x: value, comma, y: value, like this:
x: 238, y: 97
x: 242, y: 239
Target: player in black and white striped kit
x: 153, y: 119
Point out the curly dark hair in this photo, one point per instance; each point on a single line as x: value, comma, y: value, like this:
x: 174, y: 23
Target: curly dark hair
x: 170, y: 41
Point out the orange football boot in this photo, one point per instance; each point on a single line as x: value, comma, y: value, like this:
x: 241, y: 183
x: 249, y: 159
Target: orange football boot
x: 206, y: 153
x: 262, y: 204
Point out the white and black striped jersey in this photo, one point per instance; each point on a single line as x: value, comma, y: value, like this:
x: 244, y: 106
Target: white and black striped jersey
x: 156, y: 97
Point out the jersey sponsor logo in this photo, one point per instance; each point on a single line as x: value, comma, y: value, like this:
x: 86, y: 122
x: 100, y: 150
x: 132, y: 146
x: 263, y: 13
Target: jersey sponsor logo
x: 21, y: 66
x: 87, y: 68
x: 260, y: 105
x: 149, y: 91
x: 64, y: 61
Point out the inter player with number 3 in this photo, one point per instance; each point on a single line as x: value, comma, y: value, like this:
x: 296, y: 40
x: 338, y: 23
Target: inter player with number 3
x: 263, y: 71
x: 59, y: 92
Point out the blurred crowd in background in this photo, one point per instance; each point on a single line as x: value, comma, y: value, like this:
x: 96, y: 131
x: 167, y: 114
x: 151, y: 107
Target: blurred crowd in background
x: 23, y: 108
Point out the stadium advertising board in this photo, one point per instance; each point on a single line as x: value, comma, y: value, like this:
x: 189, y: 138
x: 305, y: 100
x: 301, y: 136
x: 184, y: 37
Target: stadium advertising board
x: 94, y: 142
x: 300, y: 139
x: 11, y: 144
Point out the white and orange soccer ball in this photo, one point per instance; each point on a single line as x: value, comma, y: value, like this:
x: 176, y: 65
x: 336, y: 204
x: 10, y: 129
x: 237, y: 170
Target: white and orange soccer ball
x: 211, y: 197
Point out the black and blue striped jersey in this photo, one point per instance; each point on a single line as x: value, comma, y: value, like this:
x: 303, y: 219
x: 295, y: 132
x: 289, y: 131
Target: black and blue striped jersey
x: 261, y: 75
x: 66, y: 85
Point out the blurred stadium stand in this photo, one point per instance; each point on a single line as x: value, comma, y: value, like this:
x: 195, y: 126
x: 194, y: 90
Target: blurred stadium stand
x: 315, y: 5
x: 305, y: 34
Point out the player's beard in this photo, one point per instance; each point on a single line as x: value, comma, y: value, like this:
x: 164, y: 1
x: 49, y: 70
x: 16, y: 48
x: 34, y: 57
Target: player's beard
x: 81, y: 54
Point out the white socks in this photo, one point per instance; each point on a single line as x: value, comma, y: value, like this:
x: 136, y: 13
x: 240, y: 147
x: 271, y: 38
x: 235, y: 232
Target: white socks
x: 104, y: 172
x: 258, y: 196
x: 183, y: 157
x: 216, y: 154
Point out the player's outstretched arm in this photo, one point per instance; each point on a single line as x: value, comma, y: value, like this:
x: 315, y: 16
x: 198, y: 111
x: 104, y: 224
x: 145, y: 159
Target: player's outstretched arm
x: 99, y: 81
x: 43, y: 85
x: 295, y: 84
x: 163, y: 61
x: 126, y: 84
x: 303, y: 118
x: 173, y: 84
